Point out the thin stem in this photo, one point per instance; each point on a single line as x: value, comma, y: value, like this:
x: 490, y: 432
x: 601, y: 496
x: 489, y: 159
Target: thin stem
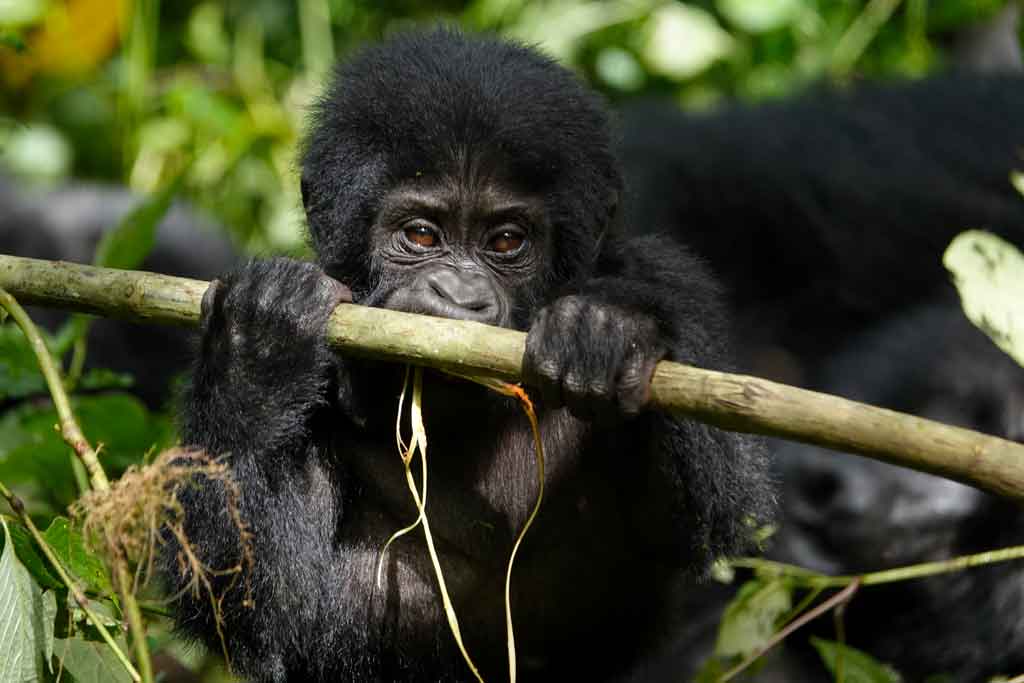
x: 812, y: 579
x: 860, y: 34
x: 840, y: 598
x: 73, y: 436
x: 19, y: 509
x: 69, y: 428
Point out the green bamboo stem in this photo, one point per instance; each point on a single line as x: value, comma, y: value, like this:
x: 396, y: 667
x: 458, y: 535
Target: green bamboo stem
x: 730, y: 401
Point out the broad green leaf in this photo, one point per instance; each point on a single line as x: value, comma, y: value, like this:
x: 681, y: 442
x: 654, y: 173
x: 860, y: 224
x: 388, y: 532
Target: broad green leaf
x: 101, y: 379
x: 21, y: 12
x: 857, y: 667
x: 19, y: 371
x: 69, y: 546
x: 128, y: 245
x: 49, y: 614
x: 24, y: 636
x: 989, y: 274
x: 711, y: 671
x: 91, y: 661
x: 75, y: 623
x: 751, y: 618
x: 31, y: 557
x: 33, y: 453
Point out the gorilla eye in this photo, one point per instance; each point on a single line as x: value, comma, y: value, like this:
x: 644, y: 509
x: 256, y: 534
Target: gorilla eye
x: 421, y: 235
x: 506, y: 241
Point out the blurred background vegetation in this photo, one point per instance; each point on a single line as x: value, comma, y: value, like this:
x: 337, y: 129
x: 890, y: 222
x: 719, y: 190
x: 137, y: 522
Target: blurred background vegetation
x: 139, y: 92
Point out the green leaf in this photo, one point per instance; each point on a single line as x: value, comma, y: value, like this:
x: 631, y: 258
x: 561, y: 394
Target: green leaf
x: 683, y: 41
x: 19, y: 371
x: 24, y: 635
x: 1017, y: 179
x: 989, y: 274
x: 857, y: 667
x: 127, y: 245
x: 69, y: 546
x: 33, y: 453
x: 31, y: 557
x: 75, y: 623
x: 91, y: 661
x: 760, y: 16
x: 101, y: 379
x: 49, y: 615
x: 21, y: 12
x: 751, y: 618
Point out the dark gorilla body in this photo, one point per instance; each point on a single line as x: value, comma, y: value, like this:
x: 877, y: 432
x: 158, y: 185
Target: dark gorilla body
x: 468, y: 178
x: 844, y: 515
x: 829, y: 213
x: 826, y: 217
x: 67, y: 223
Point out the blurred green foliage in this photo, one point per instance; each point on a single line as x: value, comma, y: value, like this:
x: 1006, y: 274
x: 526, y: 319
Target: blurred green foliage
x: 136, y: 91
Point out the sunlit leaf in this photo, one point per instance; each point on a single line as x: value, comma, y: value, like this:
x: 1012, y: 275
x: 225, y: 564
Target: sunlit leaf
x: 38, y: 151
x: 1017, y: 178
x: 682, y: 41
x: 24, y: 636
x: 857, y: 667
x: 91, y: 661
x: 128, y: 245
x: 68, y: 544
x: 31, y: 557
x: 751, y: 618
x: 21, y: 12
x: 759, y: 16
x: 989, y: 274
x: 619, y: 69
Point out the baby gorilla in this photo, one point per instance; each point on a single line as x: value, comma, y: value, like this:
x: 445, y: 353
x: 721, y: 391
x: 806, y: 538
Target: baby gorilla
x: 468, y: 178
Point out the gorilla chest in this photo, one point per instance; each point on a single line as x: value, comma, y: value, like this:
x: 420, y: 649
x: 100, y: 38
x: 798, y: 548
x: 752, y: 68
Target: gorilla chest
x: 482, y: 485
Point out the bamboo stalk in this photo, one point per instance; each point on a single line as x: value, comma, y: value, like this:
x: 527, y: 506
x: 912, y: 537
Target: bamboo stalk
x: 733, y: 402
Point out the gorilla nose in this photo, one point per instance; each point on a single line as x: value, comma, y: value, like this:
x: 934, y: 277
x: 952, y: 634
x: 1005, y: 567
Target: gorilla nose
x: 461, y: 294
x: 832, y: 491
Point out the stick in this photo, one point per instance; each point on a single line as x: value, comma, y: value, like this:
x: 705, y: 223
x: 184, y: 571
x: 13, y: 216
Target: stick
x: 734, y: 402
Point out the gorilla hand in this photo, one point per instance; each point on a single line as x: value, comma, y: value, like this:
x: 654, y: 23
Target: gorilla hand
x: 596, y: 359
x: 263, y: 336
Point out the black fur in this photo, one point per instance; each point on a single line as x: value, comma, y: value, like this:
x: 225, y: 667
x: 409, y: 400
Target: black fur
x: 845, y: 514
x: 825, y: 214
x: 460, y: 129
x: 826, y: 217
x: 68, y: 222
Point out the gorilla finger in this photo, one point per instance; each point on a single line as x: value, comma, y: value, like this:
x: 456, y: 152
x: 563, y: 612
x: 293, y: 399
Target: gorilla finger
x: 634, y: 382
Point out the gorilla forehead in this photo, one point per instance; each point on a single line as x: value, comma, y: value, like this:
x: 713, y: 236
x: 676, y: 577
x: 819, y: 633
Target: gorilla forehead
x: 422, y: 100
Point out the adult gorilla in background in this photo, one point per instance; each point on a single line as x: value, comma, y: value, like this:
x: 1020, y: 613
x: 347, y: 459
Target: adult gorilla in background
x: 846, y: 515
x: 826, y: 214
x: 67, y: 223
x: 826, y: 217
x: 469, y: 178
